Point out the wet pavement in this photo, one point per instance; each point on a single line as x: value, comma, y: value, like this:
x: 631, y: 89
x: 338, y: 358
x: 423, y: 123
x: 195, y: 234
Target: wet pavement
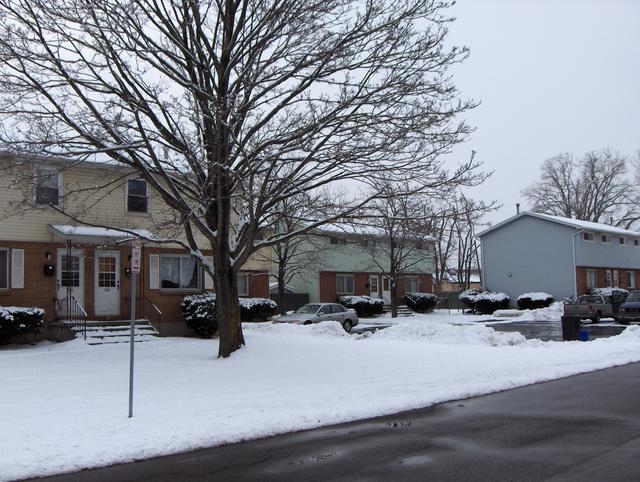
x: 552, y: 330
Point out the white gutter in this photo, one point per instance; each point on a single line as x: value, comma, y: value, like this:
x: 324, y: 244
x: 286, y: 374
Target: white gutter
x: 575, y: 276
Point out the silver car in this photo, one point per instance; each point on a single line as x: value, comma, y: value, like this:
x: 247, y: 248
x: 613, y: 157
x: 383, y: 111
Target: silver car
x: 316, y: 312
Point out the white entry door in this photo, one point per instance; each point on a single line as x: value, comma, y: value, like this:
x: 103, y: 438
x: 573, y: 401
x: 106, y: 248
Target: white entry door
x: 374, y: 288
x: 386, y: 290
x: 70, y: 274
x: 107, y: 283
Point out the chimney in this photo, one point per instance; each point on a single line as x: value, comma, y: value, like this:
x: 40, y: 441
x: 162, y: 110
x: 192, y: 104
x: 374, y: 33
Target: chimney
x: 517, y: 208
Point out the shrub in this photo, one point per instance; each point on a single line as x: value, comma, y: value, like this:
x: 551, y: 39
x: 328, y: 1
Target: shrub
x: 533, y: 301
x: 487, y: 302
x: 15, y: 321
x: 365, y: 306
x: 468, y: 298
x: 421, y: 302
x: 257, y: 309
x: 199, y: 312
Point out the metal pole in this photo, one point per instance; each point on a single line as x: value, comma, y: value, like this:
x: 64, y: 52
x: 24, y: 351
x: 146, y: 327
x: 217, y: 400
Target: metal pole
x: 131, y: 341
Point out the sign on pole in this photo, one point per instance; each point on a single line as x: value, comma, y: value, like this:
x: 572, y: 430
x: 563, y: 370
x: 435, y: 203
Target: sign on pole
x: 135, y: 256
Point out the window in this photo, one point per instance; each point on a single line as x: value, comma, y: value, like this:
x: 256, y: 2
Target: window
x: 337, y: 241
x: 4, y: 269
x: 604, y: 238
x: 137, y: 196
x: 47, y: 186
x: 636, y: 242
x: 592, y: 279
x: 345, y: 284
x: 243, y: 284
x: 411, y: 285
x: 622, y: 241
x: 365, y: 243
x: 616, y: 279
x: 631, y: 279
x: 179, y: 272
x: 607, y: 278
x: 587, y: 236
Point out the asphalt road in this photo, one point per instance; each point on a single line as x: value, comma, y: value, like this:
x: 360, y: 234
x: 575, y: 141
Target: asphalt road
x: 581, y: 428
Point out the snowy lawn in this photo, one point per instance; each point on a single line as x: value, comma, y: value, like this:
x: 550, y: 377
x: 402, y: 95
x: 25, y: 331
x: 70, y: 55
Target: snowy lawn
x: 64, y: 406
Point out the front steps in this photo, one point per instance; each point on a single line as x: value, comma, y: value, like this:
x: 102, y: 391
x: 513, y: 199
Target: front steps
x: 109, y: 332
x: 403, y: 310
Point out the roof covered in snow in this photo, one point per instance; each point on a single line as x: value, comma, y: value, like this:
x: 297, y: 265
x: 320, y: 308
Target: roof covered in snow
x: 92, y: 234
x: 573, y: 223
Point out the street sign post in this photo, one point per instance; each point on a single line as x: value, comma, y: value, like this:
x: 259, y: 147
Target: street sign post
x: 135, y: 269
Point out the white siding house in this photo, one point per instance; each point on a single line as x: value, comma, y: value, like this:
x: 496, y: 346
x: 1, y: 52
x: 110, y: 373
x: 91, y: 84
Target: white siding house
x: 561, y: 256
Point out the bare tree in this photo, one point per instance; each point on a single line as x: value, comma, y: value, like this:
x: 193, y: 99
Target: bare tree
x: 595, y: 188
x: 226, y: 108
x: 404, y: 224
x: 299, y: 255
x: 453, y: 220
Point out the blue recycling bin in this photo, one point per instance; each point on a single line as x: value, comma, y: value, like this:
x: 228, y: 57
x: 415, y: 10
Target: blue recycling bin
x: 584, y: 335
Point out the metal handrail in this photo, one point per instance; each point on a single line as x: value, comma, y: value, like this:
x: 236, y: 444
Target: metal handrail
x: 154, y: 315
x: 71, y: 311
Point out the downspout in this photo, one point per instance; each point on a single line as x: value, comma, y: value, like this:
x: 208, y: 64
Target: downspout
x: 575, y: 276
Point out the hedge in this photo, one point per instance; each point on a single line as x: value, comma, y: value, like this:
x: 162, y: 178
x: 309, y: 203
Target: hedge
x: 487, y: 302
x: 15, y: 321
x: 421, y: 302
x: 365, y: 306
x: 468, y: 298
x: 535, y: 300
x: 199, y: 312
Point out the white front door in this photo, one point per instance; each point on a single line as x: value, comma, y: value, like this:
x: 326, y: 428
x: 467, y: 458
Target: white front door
x: 374, y: 288
x: 70, y: 275
x: 107, y: 283
x: 386, y: 290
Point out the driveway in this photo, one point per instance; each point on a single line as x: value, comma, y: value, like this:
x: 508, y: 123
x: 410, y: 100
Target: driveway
x: 581, y: 428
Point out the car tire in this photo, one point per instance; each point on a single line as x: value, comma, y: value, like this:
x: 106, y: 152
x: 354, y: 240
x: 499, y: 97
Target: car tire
x: 596, y: 319
x: 308, y: 322
x: 346, y: 324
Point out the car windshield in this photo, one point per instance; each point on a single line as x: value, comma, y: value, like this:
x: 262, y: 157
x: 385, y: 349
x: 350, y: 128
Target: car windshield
x: 308, y: 309
x: 633, y: 296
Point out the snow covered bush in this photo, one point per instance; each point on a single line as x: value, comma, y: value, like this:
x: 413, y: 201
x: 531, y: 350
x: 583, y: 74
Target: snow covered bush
x: 257, y: 309
x: 421, y: 302
x: 487, y: 302
x: 365, y: 306
x: 15, y: 321
x: 199, y: 312
x: 534, y: 300
x: 468, y: 298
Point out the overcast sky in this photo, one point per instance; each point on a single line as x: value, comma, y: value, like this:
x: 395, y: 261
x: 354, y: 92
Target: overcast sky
x: 553, y: 76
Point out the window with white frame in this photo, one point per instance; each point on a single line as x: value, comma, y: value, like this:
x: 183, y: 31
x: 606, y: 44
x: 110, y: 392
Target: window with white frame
x: 4, y: 269
x: 604, y: 238
x: 137, y: 201
x: 179, y: 272
x: 631, y: 279
x: 616, y: 279
x: 345, y: 284
x: 622, y: 240
x: 243, y: 284
x: 411, y: 284
x: 337, y: 241
x: 587, y: 236
x: 592, y: 278
x: 607, y: 278
x: 47, y: 186
x: 636, y: 242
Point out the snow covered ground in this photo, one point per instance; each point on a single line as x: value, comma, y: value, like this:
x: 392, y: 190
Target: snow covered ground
x: 64, y: 406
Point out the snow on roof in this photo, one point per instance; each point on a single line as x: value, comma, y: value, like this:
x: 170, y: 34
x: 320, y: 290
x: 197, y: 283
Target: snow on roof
x: 574, y: 223
x: 95, y: 232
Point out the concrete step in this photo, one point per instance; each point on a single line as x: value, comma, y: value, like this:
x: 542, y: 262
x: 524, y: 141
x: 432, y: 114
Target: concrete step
x: 107, y: 332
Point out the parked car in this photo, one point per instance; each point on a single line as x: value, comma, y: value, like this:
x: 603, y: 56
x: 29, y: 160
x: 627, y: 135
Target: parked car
x: 593, y: 307
x: 630, y: 309
x: 317, y: 312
